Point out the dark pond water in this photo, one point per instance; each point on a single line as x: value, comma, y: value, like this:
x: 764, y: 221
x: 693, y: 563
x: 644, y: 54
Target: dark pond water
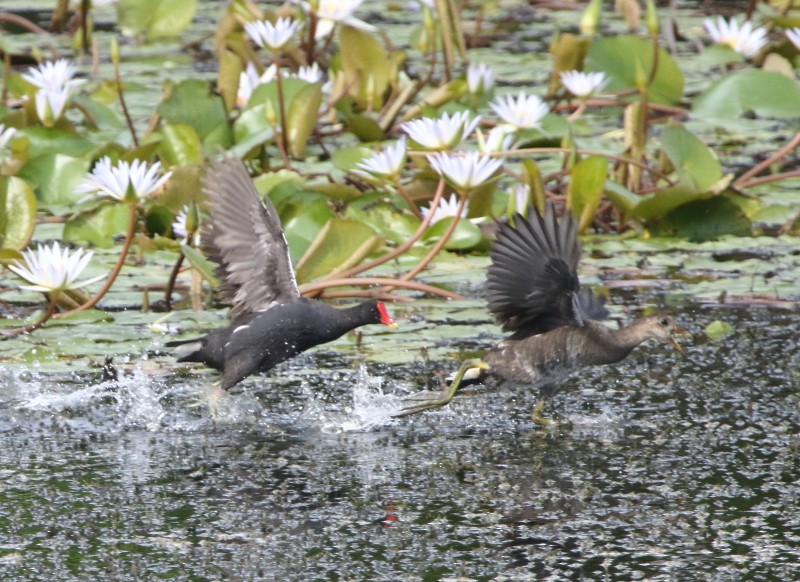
x: 674, y: 467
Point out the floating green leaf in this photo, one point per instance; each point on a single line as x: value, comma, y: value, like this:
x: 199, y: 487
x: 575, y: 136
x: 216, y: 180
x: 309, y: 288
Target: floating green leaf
x: 703, y: 220
x: 752, y: 90
x: 18, y: 216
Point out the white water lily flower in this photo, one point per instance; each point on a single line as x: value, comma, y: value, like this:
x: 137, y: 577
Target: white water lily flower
x: 386, y: 164
x: 5, y: 135
x: 743, y: 39
x: 179, y: 224
x: 53, y: 269
x: 499, y: 139
x: 443, y: 133
x: 480, y: 78
x: 52, y: 75
x: 249, y: 79
x: 445, y: 209
x: 114, y: 182
x: 50, y: 104
x: 524, y: 112
x: 272, y: 36
x: 466, y: 171
x: 583, y: 85
x: 793, y: 34
x: 332, y: 12
x: 310, y: 74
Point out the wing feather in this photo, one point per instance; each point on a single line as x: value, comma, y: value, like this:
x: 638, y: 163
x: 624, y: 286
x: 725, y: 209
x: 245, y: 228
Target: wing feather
x: 533, y: 284
x: 246, y: 240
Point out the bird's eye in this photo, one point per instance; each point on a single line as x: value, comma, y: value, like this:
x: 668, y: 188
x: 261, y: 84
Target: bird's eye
x: 664, y: 322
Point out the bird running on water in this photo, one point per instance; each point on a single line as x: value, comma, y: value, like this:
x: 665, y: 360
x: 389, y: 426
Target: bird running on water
x: 271, y: 321
x: 534, y: 291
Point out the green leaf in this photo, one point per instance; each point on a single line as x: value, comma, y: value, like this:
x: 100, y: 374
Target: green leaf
x: 201, y: 264
x: 763, y: 93
x: 587, y: 182
x: 626, y: 58
x: 696, y: 165
x: 464, y: 237
x: 302, y: 117
x: 155, y: 18
x: 384, y: 217
x: 193, y: 103
x: 704, y: 220
x: 532, y: 177
x: 718, y: 329
x: 99, y: 228
x: 623, y: 199
x: 180, y: 145
x: 662, y: 202
x: 335, y: 191
x: 42, y: 140
x: 56, y: 177
x: 366, y: 66
x: 18, y: 216
x: 303, y: 217
x: 341, y: 244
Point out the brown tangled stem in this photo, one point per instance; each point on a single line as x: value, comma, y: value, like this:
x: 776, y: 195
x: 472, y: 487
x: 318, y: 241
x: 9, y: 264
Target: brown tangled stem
x: 397, y: 251
x: 51, y: 309
x: 746, y: 179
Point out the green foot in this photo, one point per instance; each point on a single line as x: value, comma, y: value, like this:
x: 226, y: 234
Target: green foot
x: 430, y: 400
x: 537, y: 417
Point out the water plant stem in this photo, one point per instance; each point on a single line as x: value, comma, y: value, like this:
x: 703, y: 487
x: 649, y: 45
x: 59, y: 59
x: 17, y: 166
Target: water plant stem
x: 117, y: 268
x: 387, y: 283
x: 283, y: 146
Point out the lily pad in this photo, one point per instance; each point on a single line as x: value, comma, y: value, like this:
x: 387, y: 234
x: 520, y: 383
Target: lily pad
x: 763, y: 93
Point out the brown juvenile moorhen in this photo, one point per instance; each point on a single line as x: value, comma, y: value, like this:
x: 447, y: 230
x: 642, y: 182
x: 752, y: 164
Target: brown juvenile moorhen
x: 533, y: 290
x: 271, y: 321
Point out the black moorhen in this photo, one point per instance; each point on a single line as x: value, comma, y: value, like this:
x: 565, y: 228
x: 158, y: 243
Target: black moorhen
x: 271, y: 321
x: 533, y: 290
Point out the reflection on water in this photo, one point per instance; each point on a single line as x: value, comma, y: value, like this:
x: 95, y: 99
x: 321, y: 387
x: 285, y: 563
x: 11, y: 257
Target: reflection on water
x: 674, y: 467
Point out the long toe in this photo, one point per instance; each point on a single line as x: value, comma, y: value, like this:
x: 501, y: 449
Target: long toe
x: 422, y: 401
x: 209, y: 397
x: 536, y: 415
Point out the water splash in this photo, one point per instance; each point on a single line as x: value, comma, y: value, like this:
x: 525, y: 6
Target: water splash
x: 370, y: 407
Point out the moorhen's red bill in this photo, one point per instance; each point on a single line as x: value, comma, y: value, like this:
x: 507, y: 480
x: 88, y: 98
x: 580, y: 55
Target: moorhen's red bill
x: 534, y: 291
x: 271, y: 321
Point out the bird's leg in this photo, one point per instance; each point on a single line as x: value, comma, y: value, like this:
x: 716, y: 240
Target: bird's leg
x: 536, y: 415
x: 209, y: 397
x: 424, y: 401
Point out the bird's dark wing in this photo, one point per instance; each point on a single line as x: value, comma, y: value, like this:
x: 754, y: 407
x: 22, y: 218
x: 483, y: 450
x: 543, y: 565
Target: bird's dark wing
x: 533, y: 283
x: 246, y: 240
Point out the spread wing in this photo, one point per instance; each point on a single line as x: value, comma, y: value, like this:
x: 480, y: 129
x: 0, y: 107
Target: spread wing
x: 533, y: 284
x: 246, y: 240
